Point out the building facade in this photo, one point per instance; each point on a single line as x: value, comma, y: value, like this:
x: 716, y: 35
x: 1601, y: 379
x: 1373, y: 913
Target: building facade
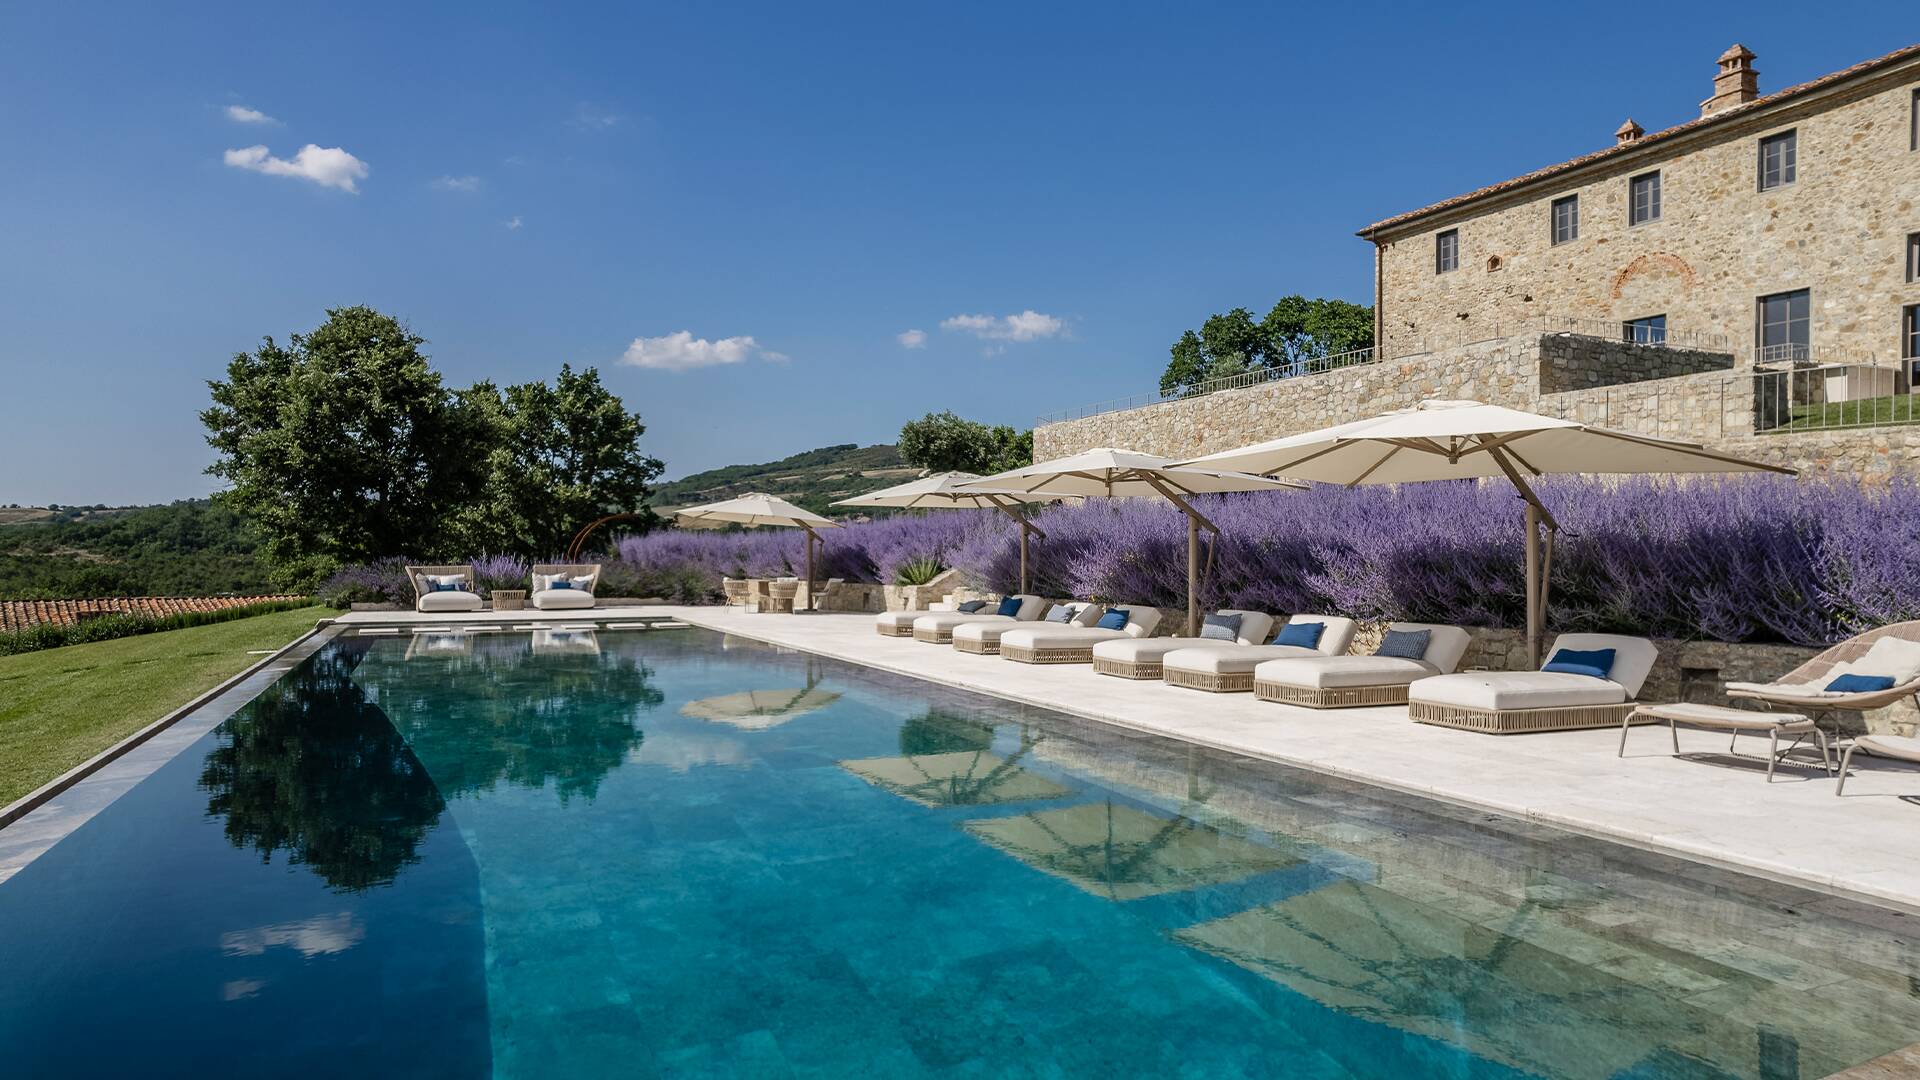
x: 1781, y: 229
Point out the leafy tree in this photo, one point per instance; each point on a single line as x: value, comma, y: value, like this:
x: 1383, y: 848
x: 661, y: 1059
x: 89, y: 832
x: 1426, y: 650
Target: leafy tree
x: 563, y: 455
x: 1298, y: 329
x: 943, y: 442
x: 343, y: 444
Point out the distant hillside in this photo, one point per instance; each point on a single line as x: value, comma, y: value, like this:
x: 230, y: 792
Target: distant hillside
x: 190, y: 548
x: 811, y: 479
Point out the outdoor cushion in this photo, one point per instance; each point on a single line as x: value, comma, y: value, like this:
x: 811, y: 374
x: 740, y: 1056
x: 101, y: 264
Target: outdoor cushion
x: 1063, y: 613
x: 1141, y: 619
x: 1305, y: 635
x: 985, y: 633
x: 1633, y: 657
x: 561, y: 599
x: 1339, y: 672
x: 1009, y: 606
x: 1221, y: 628
x: 1051, y: 636
x: 1899, y: 747
x: 1726, y: 719
x: 450, y: 600
x: 1404, y: 644
x: 559, y: 582
x: 1333, y: 640
x: 972, y: 606
x: 1148, y: 650
x: 1860, y: 684
x: 1116, y: 619
x: 1447, y: 646
x: 1500, y: 691
x: 1595, y: 662
x: 1890, y: 656
x: 1031, y: 607
x: 894, y: 620
x: 943, y: 621
x: 1230, y: 659
x: 445, y: 582
x: 1810, y: 691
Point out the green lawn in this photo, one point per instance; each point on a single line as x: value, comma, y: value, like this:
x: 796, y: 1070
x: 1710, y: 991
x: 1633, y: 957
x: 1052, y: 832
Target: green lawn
x: 1898, y: 409
x: 59, y: 707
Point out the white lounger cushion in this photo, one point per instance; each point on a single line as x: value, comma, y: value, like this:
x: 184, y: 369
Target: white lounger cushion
x: 1502, y: 691
x: 894, y: 620
x: 1224, y: 659
x: 1633, y: 657
x: 1333, y: 640
x: 1341, y: 672
x: 448, y: 600
x: 985, y: 633
x: 1055, y: 636
x: 562, y: 599
x: 947, y: 620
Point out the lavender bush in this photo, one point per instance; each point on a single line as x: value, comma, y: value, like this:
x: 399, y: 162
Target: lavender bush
x: 1744, y: 559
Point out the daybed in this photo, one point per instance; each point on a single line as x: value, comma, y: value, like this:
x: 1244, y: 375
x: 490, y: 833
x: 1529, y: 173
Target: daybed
x: 983, y: 638
x: 1230, y: 669
x: 564, y: 586
x: 1409, y: 652
x: 1072, y: 643
x: 444, y: 588
x: 936, y: 628
x: 1555, y: 698
x: 1140, y: 658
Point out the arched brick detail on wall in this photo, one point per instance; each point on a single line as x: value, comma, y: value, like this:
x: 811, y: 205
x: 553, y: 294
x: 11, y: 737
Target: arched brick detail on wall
x: 1656, y: 262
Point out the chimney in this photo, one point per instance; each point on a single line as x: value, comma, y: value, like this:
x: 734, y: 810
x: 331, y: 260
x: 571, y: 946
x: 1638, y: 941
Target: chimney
x: 1628, y: 132
x: 1736, y: 83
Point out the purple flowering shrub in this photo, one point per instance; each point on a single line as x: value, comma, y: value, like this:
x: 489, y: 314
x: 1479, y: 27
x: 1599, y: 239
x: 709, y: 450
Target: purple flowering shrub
x: 377, y: 582
x: 1735, y: 559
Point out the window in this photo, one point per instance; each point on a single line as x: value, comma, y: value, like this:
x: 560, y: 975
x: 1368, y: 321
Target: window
x: 1783, y: 336
x: 1910, y: 332
x: 1643, y: 199
x: 1913, y: 256
x: 1651, y: 330
x: 1566, y: 219
x: 1779, y: 160
x: 1913, y: 136
x: 1446, y: 251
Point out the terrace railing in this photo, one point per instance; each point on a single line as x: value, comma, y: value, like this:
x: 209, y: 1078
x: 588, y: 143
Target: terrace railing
x: 1805, y: 397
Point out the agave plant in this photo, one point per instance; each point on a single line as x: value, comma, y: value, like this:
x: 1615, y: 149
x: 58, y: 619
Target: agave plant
x: 918, y: 571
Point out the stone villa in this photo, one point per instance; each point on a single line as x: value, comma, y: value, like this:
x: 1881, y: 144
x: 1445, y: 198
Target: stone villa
x: 1748, y: 279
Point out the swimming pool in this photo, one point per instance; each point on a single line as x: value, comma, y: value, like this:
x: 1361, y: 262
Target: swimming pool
x: 672, y: 853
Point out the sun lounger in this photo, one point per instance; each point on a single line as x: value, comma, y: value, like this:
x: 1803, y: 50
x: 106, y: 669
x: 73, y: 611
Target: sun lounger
x: 983, y: 638
x: 1735, y: 722
x: 1511, y: 702
x: 1140, y: 658
x: 1230, y: 669
x: 564, y: 587
x: 1891, y: 652
x: 444, y: 588
x: 1069, y: 643
x: 1337, y: 682
x: 1894, y: 747
x: 936, y: 627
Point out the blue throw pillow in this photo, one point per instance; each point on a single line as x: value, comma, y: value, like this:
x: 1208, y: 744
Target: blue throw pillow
x: 1595, y: 662
x: 560, y: 583
x: 1405, y: 644
x: 1009, y: 606
x: 1304, y: 634
x: 972, y: 606
x: 1221, y: 628
x: 1860, y: 684
x: 1114, y: 619
x: 1062, y: 613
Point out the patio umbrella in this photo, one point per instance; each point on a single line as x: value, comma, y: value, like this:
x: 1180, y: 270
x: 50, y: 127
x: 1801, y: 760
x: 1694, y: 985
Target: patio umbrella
x: 762, y: 509
x: 1108, y: 472
x: 1451, y: 440
x: 944, y: 490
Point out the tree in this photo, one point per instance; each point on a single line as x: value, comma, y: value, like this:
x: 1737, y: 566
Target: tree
x: 343, y: 445
x: 1296, y: 330
x: 563, y: 455
x: 943, y: 442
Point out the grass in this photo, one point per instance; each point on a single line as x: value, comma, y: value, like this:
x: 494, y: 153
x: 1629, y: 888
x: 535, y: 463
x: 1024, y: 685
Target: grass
x: 1894, y: 409
x: 59, y: 707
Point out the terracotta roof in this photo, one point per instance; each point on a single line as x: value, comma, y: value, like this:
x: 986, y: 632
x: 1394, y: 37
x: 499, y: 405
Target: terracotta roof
x: 20, y: 614
x: 1721, y: 116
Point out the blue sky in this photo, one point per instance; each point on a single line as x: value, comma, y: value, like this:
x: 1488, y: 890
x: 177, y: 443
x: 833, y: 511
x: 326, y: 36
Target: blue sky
x: 1049, y: 194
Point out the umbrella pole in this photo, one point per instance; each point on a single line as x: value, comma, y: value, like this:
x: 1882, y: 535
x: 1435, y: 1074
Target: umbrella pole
x: 1024, y: 529
x: 1193, y: 576
x: 812, y: 595
x: 1533, y: 586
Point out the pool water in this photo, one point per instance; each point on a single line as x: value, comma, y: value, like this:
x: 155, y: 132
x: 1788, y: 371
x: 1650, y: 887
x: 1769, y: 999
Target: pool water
x: 671, y: 853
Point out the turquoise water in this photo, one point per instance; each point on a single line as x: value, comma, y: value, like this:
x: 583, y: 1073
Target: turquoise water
x: 668, y: 853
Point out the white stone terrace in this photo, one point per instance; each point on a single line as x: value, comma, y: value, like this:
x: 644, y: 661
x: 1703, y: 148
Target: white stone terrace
x: 1712, y: 809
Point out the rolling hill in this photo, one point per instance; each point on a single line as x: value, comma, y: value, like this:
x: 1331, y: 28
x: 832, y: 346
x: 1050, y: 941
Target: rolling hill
x: 813, y: 478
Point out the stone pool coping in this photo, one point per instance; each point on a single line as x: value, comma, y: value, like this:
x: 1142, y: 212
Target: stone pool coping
x: 45, y: 816
x: 1861, y: 847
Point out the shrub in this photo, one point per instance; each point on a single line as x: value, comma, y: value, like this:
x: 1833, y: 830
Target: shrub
x: 108, y: 627
x: 918, y: 572
x: 381, y: 582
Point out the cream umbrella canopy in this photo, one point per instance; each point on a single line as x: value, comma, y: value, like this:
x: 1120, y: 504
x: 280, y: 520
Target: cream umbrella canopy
x: 1110, y: 473
x: 762, y: 509
x: 1451, y: 440
x: 944, y: 490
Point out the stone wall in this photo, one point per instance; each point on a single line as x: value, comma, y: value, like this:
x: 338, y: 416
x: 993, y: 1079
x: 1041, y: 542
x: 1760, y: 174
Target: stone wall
x: 1839, y: 230
x: 1577, y: 362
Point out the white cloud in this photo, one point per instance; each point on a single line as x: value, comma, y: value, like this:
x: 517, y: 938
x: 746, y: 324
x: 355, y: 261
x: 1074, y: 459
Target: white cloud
x: 1029, y: 325
x: 240, y: 114
x: 326, y: 166
x: 588, y: 118
x: 772, y: 357
x: 513, y: 222
x: 682, y: 351
x: 458, y: 183
x: 912, y: 339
